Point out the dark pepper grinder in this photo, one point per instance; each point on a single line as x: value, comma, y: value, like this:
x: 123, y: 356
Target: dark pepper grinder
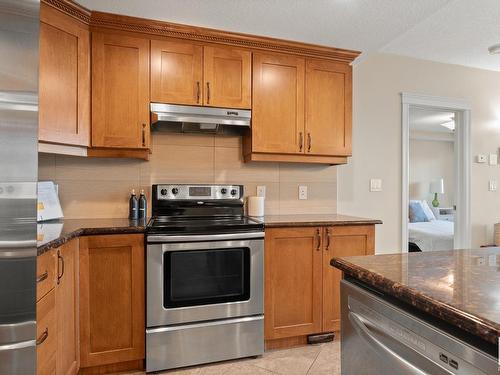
x: 143, y: 206
x: 133, y: 206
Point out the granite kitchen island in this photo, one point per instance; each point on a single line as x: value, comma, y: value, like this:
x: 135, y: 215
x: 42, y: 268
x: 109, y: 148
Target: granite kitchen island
x: 456, y: 293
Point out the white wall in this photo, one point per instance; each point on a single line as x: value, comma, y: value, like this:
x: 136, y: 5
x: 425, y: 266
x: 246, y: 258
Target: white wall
x: 378, y: 81
x: 429, y: 161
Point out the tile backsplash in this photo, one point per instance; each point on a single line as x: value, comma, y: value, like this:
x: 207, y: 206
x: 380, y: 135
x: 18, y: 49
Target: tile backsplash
x: 100, y: 187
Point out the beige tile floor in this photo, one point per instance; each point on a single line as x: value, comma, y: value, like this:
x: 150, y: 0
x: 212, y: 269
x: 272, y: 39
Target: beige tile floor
x: 319, y: 359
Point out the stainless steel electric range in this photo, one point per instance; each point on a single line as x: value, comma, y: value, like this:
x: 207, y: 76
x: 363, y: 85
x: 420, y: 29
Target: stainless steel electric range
x: 205, y: 269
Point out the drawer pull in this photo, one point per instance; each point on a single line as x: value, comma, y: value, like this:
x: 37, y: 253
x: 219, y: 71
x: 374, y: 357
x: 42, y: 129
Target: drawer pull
x: 301, y: 142
x: 328, y: 236
x: 318, y: 236
x: 42, y: 277
x: 60, y: 260
x: 309, y: 142
x: 208, y: 92
x: 197, y: 91
x: 43, y: 337
x: 143, y: 135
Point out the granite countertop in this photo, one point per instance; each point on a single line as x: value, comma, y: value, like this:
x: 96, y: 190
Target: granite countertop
x: 53, y: 234
x: 461, y: 287
x: 312, y: 220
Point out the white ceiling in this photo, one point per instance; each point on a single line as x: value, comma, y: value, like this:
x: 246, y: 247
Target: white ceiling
x: 429, y: 121
x: 451, y: 31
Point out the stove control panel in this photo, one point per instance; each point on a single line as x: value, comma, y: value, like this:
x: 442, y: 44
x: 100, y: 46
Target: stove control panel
x: 199, y: 192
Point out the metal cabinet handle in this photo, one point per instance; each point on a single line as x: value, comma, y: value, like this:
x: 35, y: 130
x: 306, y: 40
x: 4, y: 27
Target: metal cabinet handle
x: 43, y: 337
x: 328, y: 237
x: 309, y: 142
x: 318, y: 237
x: 208, y: 92
x: 143, y: 135
x: 197, y: 91
x: 301, y: 141
x: 42, y: 277
x: 60, y: 260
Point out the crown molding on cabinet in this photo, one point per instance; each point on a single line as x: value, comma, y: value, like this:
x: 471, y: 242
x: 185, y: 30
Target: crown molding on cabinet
x: 72, y: 9
x: 201, y: 34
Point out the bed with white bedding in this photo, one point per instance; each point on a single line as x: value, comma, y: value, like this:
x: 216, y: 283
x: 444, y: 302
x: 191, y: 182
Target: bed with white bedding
x: 432, y: 235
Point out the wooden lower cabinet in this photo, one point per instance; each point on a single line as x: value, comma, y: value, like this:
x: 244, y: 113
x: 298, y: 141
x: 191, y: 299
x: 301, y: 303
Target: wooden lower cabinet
x: 341, y: 241
x: 292, y: 282
x: 67, y: 309
x: 57, y: 310
x: 302, y: 290
x: 112, y: 302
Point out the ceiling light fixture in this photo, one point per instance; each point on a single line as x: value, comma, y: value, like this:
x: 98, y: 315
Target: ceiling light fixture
x: 494, y: 49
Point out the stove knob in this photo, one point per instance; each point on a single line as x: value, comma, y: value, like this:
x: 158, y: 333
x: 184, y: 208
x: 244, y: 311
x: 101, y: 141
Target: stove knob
x: 223, y: 191
x: 163, y: 191
x: 233, y: 192
x: 175, y: 191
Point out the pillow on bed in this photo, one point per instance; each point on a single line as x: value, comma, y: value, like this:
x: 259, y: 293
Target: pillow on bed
x: 416, y: 212
x: 427, y: 211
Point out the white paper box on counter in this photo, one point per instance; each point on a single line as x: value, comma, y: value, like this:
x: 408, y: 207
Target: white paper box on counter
x: 48, y: 207
x: 255, y: 206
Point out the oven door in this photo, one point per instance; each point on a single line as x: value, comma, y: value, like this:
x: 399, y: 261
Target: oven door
x: 210, y: 277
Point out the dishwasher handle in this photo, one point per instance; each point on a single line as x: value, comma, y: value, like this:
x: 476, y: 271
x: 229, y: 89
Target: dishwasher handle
x: 359, y: 325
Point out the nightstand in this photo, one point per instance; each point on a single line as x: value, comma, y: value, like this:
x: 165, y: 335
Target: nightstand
x: 444, y: 213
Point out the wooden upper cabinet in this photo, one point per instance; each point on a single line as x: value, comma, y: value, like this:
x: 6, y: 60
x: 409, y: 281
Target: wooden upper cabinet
x: 292, y: 282
x: 227, y: 77
x: 341, y: 241
x: 120, y: 91
x: 112, y: 302
x: 328, y: 108
x: 64, y: 79
x: 176, y: 72
x: 278, y: 104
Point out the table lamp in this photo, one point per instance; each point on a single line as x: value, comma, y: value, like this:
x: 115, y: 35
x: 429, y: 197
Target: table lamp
x: 437, y: 187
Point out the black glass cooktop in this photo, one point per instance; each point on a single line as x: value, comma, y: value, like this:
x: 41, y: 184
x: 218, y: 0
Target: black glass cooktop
x: 202, y: 224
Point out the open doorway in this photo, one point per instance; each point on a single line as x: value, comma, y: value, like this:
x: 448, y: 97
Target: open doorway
x: 436, y: 173
x: 431, y: 209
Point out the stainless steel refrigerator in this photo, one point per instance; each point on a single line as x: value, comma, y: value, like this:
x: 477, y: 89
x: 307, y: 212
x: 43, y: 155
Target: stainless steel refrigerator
x: 19, y: 25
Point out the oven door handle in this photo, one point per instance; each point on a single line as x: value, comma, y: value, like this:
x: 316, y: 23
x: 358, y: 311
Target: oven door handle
x: 209, y: 237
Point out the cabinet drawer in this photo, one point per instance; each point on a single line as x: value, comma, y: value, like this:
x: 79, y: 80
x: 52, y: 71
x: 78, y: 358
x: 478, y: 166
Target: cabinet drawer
x: 45, y: 273
x: 46, y: 334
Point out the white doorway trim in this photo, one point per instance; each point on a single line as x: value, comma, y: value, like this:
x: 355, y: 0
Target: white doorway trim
x: 462, y: 108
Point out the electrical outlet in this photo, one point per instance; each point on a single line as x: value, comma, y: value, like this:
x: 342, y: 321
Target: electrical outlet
x: 261, y: 191
x: 493, y: 185
x: 302, y: 192
x: 481, y: 159
x: 375, y: 184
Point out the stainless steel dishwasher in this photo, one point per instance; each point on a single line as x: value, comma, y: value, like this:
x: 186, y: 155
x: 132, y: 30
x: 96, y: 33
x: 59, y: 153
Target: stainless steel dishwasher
x: 380, y: 338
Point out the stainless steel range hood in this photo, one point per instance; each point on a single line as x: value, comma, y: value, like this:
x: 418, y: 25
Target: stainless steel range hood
x: 195, y: 119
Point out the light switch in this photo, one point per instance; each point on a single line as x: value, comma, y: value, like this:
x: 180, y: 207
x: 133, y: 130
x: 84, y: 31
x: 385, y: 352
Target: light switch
x: 493, y: 159
x: 261, y: 191
x: 493, y: 185
x: 375, y: 184
x: 481, y: 159
x: 302, y: 192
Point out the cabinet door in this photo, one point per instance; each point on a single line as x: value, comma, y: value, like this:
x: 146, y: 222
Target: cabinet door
x: 328, y: 108
x: 120, y: 91
x: 176, y: 72
x: 292, y: 282
x: 112, y: 326
x: 64, y: 80
x: 278, y: 104
x: 67, y: 309
x: 228, y: 77
x: 341, y: 241
x: 46, y: 335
